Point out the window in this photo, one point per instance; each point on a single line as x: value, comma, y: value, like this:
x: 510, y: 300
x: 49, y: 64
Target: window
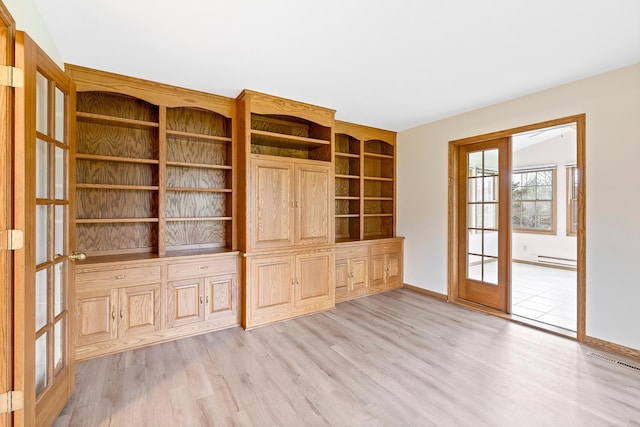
x: 572, y: 200
x: 533, y: 200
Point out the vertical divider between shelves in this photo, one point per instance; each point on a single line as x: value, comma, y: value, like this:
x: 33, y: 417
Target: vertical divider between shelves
x: 162, y: 181
x: 361, y: 190
x: 232, y: 242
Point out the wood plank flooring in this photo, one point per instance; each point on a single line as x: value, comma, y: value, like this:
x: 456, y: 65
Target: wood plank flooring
x: 393, y: 359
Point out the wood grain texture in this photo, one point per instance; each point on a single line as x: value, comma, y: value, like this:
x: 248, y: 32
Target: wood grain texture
x: 198, y: 121
x: 95, y: 239
x: 116, y: 105
x: 397, y: 358
x: 116, y: 141
x: 187, y: 204
x: 191, y: 150
x: 194, y: 233
x: 105, y: 203
x: 99, y: 172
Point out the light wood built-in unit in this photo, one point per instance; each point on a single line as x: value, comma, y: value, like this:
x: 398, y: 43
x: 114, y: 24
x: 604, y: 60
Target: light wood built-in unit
x: 286, y: 235
x: 365, y: 212
x: 155, y: 182
x: 199, y: 212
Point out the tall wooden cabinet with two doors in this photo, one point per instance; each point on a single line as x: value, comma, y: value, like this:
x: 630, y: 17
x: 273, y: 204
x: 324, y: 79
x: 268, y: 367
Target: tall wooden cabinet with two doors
x: 286, y: 237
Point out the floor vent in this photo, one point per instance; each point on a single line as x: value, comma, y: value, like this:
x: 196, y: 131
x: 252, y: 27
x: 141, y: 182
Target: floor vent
x: 612, y: 360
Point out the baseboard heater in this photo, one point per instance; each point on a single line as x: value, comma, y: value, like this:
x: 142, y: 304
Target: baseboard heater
x: 552, y: 260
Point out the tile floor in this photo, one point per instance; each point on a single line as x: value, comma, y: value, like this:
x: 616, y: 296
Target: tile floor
x: 544, y: 294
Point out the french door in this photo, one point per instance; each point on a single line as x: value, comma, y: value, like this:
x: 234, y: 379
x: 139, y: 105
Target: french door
x: 483, y: 223
x: 43, y: 208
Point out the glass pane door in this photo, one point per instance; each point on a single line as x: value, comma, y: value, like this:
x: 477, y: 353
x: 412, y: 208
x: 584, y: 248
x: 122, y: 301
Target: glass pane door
x: 52, y: 225
x: 483, y: 227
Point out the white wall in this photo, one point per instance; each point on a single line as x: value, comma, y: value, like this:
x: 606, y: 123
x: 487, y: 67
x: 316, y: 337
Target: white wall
x: 558, y: 150
x: 29, y: 20
x: 611, y: 102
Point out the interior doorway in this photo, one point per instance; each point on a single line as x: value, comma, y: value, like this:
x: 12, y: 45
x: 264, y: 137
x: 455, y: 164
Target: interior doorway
x: 544, y: 183
x: 526, y: 204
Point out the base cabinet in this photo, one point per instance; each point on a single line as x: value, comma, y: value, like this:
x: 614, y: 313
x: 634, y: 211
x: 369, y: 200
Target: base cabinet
x: 125, y: 305
x: 285, y: 285
x: 367, y: 267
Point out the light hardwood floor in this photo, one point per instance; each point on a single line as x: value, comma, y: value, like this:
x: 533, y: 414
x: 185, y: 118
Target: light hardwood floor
x: 394, y: 359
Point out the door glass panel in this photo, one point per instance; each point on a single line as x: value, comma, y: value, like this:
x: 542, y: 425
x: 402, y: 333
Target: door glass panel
x: 58, y: 337
x: 41, y: 364
x: 474, y: 267
x: 41, y: 234
x: 490, y: 243
x: 490, y: 219
x: 59, y: 115
x: 491, y: 162
x: 482, y: 216
x: 60, y: 173
x: 41, y: 299
x: 490, y: 270
x: 42, y: 168
x: 59, y: 287
x: 42, y: 100
x: 59, y: 231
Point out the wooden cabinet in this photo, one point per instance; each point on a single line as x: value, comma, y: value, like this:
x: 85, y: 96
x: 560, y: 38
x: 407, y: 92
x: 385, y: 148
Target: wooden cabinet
x: 291, y: 204
x: 368, y: 267
x: 352, y: 271
x: 107, y: 308
x: 131, y: 303
x: 202, y: 291
x: 286, y: 285
x: 386, y: 265
x: 364, y: 183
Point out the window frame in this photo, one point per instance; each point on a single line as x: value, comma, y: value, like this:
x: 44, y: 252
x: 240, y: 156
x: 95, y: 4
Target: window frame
x: 554, y: 200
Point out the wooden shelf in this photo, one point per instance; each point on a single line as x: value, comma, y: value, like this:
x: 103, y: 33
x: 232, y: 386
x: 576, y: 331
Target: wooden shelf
x: 347, y: 216
x: 347, y: 198
x: 353, y: 156
x: 377, y: 178
x: 119, y: 187
x: 113, y: 220
x: 115, y: 121
x: 115, y: 159
x: 209, y: 218
x: 378, y: 199
x: 203, y: 137
x: 347, y: 176
x: 272, y: 138
x: 200, y: 190
x: 199, y: 165
x: 376, y: 215
x: 379, y: 156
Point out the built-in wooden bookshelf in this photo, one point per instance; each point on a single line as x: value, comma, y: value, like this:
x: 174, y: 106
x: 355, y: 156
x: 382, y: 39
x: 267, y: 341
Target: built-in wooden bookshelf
x: 364, y: 183
x: 154, y: 167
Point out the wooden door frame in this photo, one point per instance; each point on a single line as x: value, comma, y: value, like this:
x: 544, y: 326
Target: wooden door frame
x: 7, y: 29
x: 453, y: 234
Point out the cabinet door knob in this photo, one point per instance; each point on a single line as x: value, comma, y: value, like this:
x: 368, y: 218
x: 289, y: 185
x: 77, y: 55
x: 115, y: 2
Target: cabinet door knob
x: 207, y: 299
x: 113, y: 313
x: 201, y: 300
x: 120, y: 276
x: 121, y: 313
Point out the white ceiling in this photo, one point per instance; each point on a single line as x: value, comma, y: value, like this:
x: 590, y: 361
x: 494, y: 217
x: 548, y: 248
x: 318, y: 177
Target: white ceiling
x: 390, y: 64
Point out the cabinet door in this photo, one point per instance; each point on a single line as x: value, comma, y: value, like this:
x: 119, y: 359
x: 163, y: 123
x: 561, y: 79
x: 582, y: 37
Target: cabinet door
x: 394, y: 268
x: 139, y: 310
x: 185, y: 301
x: 377, y: 270
x: 359, y: 273
x: 96, y: 316
x: 314, y: 278
x: 342, y: 278
x: 221, y: 297
x: 271, y: 282
x: 271, y: 204
x: 312, y: 200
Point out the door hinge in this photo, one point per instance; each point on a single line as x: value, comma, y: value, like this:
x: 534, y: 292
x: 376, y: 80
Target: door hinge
x: 11, y: 401
x: 11, y: 240
x: 11, y: 76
